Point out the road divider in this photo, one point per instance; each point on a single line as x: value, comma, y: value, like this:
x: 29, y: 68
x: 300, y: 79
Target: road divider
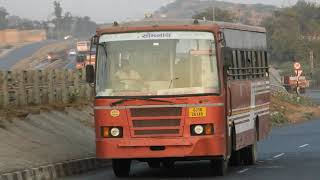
x: 58, y: 170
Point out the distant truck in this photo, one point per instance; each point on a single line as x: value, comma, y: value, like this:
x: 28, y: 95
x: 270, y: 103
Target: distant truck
x: 83, y: 46
x: 84, y: 59
x: 291, y: 83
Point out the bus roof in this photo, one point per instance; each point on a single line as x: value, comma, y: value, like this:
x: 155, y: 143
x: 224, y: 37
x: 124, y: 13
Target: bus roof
x: 179, y: 22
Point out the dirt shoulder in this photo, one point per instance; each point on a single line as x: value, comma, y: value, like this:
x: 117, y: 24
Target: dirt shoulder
x: 22, y: 112
x: 40, y: 135
x: 286, y: 108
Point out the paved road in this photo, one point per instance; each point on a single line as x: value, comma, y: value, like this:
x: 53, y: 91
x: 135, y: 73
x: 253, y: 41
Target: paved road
x: 72, y: 62
x: 291, y: 152
x: 16, y: 55
x: 314, y: 94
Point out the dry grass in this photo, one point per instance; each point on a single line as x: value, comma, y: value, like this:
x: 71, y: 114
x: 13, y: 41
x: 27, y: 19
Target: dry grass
x: 291, y: 111
x: 23, y: 111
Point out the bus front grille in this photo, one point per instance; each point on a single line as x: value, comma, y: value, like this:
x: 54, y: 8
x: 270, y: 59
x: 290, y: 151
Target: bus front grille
x: 156, y: 112
x: 157, y: 132
x: 156, y: 121
x: 156, y: 127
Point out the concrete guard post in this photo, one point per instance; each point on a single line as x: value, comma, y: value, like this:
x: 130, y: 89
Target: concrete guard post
x: 57, y: 170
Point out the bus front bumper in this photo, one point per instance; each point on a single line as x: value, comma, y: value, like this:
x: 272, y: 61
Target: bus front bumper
x: 136, y: 148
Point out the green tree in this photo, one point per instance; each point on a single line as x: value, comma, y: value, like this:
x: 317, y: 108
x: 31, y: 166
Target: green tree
x: 84, y: 27
x: 289, y: 31
x: 58, y: 21
x: 66, y: 24
x: 3, y: 18
x: 220, y: 15
x: 57, y: 10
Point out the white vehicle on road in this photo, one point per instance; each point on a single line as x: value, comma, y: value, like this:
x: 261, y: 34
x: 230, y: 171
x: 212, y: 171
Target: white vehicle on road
x: 72, y: 52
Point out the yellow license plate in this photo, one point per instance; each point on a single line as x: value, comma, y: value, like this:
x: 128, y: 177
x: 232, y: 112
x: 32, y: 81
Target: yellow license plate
x: 198, y: 112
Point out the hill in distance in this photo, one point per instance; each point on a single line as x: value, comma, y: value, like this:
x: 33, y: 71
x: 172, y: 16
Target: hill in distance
x: 252, y: 14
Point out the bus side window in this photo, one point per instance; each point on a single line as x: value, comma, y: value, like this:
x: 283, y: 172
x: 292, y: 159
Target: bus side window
x: 264, y: 65
x: 266, y: 61
x: 239, y: 59
x: 242, y: 60
x: 238, y: 65
x: 259, y: 59
x: 234, y: 65
x: 255, y: 64
x: 249, y: 65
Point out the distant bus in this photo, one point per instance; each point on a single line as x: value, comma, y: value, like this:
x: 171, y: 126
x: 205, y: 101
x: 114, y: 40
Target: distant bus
x: 170, y: 91
x: 83, y: 46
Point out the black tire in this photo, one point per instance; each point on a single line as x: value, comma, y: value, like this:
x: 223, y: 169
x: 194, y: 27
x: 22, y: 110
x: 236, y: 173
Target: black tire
x: 121, y: 167
x: 168, y: 164
x: 249, y: 155
x: 235, y: 159
x: 154, y: 164
x: 219, y: 167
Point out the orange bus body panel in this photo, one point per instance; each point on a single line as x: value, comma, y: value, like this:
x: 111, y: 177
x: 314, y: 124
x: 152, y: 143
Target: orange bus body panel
x: 180, y: 145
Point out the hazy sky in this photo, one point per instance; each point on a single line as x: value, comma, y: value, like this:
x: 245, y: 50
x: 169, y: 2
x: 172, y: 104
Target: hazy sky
x: 98, y: 10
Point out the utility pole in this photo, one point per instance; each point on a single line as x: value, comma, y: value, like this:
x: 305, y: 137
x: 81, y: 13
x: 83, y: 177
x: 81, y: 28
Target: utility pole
x: 311, y: 54
x: 213, y: 13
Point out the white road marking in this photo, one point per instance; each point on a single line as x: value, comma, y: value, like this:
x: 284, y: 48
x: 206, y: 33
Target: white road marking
x: 244, y: 170
x: 270, y: 167
x: 279, y: 155
x: 305, y: 145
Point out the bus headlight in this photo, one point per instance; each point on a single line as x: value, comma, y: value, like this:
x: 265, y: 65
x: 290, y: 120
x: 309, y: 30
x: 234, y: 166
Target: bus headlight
x: 112, y: 132
x: 115, y: 132
x: 202, y: 129
x: 198, y: 129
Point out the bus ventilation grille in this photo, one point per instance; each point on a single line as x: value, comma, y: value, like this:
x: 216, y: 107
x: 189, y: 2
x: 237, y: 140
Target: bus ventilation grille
x: 156, y: 112
x: 150, y: 122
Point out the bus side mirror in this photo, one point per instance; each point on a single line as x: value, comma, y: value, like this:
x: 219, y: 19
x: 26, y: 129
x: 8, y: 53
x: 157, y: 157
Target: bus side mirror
x: 226, y: 57
x: 94, y: 40
x: 90, y: 74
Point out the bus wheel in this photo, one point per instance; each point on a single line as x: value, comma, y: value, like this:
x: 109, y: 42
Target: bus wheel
x: 121, y: 167
x: 154, y: 164
x: 235, y: 159
x: 249, y: 154
x: 219, y: 167
x: 168, y: 164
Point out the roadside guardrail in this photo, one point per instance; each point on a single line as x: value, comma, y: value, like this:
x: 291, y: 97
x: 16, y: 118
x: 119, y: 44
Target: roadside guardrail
x: 41, y: 87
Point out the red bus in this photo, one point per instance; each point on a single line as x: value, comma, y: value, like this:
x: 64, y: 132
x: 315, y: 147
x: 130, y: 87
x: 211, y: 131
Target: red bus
x: 170, y: 91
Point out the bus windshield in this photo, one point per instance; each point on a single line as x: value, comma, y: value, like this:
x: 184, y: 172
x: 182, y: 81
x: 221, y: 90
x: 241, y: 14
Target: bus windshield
x: 157, y: 64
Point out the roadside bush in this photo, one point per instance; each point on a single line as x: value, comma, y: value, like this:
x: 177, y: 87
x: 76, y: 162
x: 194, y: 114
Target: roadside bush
x: 294, y: 99
x: 278, y: 118
x: 7, y: 46
x: 74, y: 96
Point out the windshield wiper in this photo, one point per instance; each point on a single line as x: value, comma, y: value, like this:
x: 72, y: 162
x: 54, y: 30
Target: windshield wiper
x: 171, y: 81
x: 138, y: 98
